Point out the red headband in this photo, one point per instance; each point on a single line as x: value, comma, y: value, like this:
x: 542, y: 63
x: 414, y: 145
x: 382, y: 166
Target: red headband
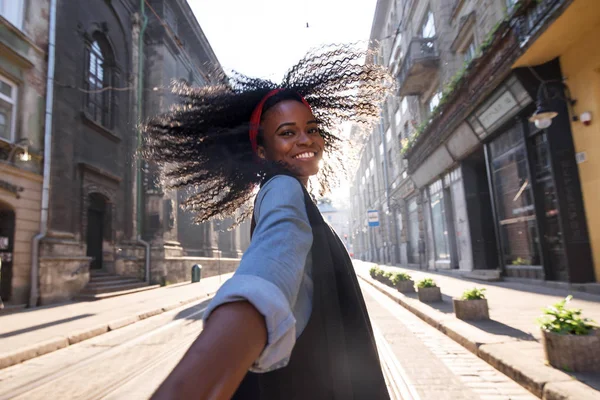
x: 257, y: 113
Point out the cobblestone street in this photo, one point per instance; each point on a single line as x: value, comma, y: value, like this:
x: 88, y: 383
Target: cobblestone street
x: 420, y: 363
x: 434, y: 365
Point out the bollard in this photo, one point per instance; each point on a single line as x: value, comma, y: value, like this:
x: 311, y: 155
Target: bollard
x: 196, y: 273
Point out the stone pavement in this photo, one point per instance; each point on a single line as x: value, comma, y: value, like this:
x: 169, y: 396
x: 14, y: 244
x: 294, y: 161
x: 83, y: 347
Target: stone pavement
x: 510, y: 341
x: 435, y: 366
x: 34, y: 332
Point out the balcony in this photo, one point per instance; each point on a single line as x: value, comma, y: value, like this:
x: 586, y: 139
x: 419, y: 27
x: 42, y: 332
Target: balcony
x: 419, y: 67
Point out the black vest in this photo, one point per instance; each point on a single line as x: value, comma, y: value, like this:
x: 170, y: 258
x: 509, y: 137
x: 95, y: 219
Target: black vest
x: 335, y: 357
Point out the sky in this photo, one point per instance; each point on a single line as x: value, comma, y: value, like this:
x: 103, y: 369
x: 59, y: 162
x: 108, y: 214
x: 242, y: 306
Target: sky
x: 264, y: 38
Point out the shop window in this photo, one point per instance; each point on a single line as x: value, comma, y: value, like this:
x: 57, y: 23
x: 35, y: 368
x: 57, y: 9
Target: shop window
x: 413, y: 231
x: 8, y: 109
x: 12, y: 11
x: 514, y: 199
x: 438, y: 221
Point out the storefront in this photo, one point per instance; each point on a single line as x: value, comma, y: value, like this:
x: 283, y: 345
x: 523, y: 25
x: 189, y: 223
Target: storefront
x: 572, y: 39
x: 536, y: 198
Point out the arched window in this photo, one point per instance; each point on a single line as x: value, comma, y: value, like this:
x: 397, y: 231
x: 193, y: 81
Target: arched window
x: 100, y: 77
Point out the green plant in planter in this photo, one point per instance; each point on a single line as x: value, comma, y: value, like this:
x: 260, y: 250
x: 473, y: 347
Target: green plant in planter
x: 378, y: 273
x: 426, y: 283
x: 474, y: 294
x: 388, y: 276
x: 373, y: 271
x: 399, y: 277
x: 566, y: 321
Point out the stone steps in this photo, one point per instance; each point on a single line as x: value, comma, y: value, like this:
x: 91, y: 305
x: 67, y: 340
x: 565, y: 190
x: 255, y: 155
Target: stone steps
x: 103, y: 285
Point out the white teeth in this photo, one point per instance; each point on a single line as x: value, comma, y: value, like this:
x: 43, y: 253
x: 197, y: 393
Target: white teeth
x: 305, y: 155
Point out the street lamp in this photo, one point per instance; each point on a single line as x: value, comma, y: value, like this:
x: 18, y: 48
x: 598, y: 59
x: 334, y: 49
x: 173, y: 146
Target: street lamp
x: 543, y: 115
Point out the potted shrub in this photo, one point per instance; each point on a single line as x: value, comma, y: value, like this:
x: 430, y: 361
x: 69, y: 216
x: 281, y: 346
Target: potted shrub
x: 378, y: 274
x: 571, y: 342
x: 387, y: 278
x: 428, y: 291
x: 472, y: 305
x: 403, y: 282
x: 373, y: 271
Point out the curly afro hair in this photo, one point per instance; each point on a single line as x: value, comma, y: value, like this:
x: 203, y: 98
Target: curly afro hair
x: 202, y: 144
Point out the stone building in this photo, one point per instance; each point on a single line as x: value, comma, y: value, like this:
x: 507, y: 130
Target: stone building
x: 108, y: 227
x: 23, y: 51
x: 461, y: 179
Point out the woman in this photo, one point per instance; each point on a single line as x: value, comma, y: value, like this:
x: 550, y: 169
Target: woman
x: 291, y: 323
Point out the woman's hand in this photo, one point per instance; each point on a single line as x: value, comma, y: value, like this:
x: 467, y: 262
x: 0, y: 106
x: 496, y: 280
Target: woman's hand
x: 215, y: 364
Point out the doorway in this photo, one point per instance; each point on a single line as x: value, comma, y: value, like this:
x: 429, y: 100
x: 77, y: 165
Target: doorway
x: 96, y: 216
x: 7, y: 235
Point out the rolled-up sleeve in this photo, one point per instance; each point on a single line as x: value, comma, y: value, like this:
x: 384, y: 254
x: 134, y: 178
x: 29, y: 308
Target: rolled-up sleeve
x: 272, y: 269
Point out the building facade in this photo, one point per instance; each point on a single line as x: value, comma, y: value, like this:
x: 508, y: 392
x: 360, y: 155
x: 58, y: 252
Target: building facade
x: 478, y: 188
x: 107, y: 214
x: 23, y: 51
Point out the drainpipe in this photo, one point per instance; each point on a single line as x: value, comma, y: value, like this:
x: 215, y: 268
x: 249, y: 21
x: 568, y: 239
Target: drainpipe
x: 35, y: 252
x: 140, y: 90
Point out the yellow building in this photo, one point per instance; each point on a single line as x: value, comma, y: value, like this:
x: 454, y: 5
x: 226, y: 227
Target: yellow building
x: 574, y: 39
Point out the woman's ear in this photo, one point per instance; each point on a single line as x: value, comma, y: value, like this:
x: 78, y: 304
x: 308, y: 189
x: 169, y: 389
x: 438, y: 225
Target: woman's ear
x: 260, y: 151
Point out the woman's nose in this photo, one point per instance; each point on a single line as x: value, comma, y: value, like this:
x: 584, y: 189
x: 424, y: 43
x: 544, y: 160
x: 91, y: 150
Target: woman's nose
x: 305, y: 139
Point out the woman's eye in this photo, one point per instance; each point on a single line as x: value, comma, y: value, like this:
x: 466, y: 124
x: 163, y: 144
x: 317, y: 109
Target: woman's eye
x: 287, y: 133
x: 314, y: 131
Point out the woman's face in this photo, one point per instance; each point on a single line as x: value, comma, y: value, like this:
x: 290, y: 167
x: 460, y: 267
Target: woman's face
x: 291, y: 135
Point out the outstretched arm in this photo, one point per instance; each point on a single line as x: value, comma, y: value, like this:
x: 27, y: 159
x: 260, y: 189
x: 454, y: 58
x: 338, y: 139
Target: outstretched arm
x: 216, y: 363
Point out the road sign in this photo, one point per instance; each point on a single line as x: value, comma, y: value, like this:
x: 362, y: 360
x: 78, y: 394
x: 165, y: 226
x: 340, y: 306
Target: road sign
x: 373, y: 218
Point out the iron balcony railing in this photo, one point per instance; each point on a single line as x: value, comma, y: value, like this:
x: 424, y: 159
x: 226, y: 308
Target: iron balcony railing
x: 420, y: 60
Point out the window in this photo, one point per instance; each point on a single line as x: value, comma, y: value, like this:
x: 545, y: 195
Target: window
x: 513, y: 193
x: 8, y: 109
x: 438, y: 220
x: 398, y: 118
x: 12, y: 11
x: 388, y: 135
x: 413, y: 231
x: 470, y: 51
x: 100, y: 76
x: 434, y: 101
x: 428, y: 27
x: 381, y: 149
x: 404, y: 105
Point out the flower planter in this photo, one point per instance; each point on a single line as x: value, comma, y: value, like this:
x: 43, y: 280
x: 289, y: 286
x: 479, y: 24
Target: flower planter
x: 471, y: 310
x: 406, y: 286
x: 576, y: 353
x: 430, y: 294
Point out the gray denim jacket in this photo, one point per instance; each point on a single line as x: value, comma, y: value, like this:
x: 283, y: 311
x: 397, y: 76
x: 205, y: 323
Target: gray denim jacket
x: 274, y: 274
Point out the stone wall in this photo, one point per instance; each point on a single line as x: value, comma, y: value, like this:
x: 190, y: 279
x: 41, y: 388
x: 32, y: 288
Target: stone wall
x: 64, y: 268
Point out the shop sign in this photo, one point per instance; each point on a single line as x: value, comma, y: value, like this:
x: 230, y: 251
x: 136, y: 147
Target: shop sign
x: 373, y: 218
x: 498, y: 109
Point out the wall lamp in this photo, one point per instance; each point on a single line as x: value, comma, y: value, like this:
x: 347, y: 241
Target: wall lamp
x: 25, y: 155
x: 543, y: 115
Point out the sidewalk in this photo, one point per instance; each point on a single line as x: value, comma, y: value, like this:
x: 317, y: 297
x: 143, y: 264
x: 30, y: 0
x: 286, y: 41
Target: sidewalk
x: 33, y: 332
x: 510, y: 341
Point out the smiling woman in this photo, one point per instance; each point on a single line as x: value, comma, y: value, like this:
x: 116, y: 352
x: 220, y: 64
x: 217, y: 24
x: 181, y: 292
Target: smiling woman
x: 291, y: 323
